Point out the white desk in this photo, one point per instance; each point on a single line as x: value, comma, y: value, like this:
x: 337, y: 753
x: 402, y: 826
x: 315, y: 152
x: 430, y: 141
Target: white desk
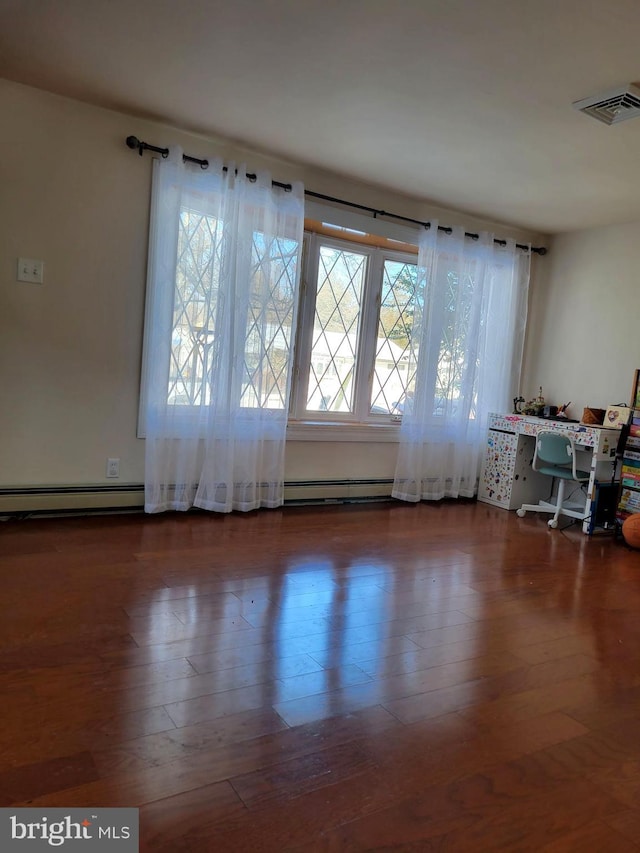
x: 507, y: 479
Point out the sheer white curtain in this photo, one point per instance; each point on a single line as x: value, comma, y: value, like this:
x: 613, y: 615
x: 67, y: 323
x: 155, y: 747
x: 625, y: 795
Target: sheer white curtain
x: 222, y: 292
x: 468, y: 330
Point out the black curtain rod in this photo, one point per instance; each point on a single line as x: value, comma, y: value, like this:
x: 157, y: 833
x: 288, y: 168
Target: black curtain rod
x: 135, y: 144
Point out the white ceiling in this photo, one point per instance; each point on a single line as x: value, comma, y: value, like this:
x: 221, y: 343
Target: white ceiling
x: 465, y: 103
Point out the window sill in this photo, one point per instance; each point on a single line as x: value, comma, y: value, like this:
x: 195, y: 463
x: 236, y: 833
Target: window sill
x: 336, y: 431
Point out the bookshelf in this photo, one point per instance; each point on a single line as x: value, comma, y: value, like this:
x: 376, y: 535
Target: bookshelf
x: 629, y: 494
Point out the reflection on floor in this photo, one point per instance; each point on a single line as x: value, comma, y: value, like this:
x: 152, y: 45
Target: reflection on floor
x: 431, y: 677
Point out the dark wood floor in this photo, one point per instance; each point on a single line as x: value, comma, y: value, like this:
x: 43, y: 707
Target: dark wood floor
x: 383, y: 677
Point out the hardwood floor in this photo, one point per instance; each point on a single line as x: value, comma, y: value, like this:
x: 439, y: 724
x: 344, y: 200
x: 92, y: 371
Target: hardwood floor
x: 380, y: 677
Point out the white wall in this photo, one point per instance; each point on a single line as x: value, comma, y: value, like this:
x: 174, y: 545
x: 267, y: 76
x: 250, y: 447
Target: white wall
x: 583, y: 342
x: 73, y: 195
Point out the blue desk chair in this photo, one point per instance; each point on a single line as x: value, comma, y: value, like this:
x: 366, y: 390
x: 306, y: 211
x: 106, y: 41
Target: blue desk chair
x: 555, y: 455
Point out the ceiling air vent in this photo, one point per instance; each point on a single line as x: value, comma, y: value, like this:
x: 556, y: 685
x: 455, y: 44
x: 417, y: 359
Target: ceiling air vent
x: 614, y: 106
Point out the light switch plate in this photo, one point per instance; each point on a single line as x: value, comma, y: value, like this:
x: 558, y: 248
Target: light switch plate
x: 30, y: 270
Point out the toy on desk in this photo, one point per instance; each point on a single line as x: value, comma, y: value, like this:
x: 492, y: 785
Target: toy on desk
x: 534, y: 407
x: 562, y: 410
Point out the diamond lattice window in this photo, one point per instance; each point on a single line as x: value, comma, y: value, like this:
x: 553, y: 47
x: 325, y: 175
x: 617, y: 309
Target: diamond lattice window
x: 356, y: 355
x: 196, y: 315
x: 195, y: 308
x: 269, y: 323
x: 340, y: 285
x: 452, y: 353
x: 396, y: 351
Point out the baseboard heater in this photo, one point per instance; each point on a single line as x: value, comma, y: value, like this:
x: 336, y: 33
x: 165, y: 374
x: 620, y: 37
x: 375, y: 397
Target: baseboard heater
x: 130, y: 496
x: 337, y: 491
x: 52, y: 499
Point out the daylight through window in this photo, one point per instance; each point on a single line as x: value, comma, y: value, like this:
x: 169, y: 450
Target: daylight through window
x: 356, y: 353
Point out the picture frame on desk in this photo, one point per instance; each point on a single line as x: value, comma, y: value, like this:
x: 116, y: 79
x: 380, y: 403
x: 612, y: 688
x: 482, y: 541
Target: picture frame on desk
x: 635, y: 390
x: 616, y: 417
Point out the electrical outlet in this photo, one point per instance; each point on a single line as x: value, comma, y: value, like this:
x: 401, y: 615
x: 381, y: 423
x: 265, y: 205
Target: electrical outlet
x: 30, y: 270
x: 113, y: 467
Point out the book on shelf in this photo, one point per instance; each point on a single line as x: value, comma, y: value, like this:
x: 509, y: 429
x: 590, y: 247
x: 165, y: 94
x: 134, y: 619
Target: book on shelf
x: 633, y: 493
x: 635, y: 390
x: 623, y: 515
x: 629, y: 495
x: 626, y: 510
x: 633, y: 441
x: 631, y: 482
x: 628, y: 501
x: 628, y: 471
x: 632, y: 454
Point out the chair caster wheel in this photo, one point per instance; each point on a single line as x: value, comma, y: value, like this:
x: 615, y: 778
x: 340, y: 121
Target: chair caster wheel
x: 552, y: 523
x: 521, y: 513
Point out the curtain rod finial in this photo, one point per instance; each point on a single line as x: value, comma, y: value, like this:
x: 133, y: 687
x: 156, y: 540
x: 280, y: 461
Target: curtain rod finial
x: 133, y: 142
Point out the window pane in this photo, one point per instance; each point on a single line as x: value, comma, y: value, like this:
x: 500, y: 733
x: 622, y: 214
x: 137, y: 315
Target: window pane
x: 453, y: 355
x: 340, y: 280
x: 396, y: 351
x: 273, y: 278
x: 269, y: 316
x: 194, y: 308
